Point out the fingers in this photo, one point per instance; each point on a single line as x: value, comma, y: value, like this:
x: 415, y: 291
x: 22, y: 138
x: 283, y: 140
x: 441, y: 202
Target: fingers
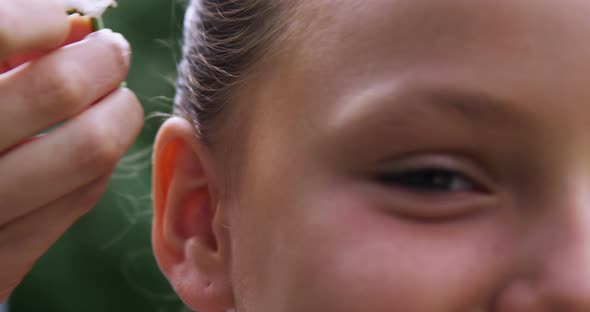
x: 25, y: 141
x: 59, y: 85
x: 80, y: 27
x: 24, y: 240
x: 31, y: 25
x: 83, y: 149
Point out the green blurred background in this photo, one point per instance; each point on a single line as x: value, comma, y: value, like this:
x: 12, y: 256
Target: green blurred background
x: 105, y: 263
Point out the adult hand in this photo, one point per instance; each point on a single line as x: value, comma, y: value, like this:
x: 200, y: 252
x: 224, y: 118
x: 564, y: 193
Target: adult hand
x: 47, y: 182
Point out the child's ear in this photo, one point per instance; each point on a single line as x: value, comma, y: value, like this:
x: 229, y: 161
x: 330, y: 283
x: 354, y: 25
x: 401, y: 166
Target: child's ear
x: 190, y: 241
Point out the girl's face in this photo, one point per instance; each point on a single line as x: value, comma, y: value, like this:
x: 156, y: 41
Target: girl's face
x: 418, y: 155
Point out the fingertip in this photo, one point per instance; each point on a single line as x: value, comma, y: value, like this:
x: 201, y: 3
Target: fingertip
x: 133, y: 97
x: 24, y: 31
x: 136, y: 112
x: 80, y: 27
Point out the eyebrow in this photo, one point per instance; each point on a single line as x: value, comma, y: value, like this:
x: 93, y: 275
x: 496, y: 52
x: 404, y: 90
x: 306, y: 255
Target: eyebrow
x: 473, y: 106
x: 432, y: 103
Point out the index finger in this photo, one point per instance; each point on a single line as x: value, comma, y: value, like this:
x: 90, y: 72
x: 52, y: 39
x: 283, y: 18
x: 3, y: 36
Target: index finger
x: 80, y: 27
x: 31, y: 25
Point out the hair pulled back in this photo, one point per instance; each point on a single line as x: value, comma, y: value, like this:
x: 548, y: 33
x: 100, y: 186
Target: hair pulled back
x: 223, y: 39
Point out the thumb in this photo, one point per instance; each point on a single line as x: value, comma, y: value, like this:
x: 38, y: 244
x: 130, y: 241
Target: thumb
x: 80, y: 26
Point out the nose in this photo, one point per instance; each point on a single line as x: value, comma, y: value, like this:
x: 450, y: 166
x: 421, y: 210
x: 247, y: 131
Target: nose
x: 563, y: 283
x: 555, y: 272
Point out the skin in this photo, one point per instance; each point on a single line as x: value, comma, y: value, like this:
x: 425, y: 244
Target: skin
x: 495, y: 92
x: 48, y: 181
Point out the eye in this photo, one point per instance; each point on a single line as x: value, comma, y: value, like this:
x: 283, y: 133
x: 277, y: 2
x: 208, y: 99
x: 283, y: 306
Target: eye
x: 430, y: 180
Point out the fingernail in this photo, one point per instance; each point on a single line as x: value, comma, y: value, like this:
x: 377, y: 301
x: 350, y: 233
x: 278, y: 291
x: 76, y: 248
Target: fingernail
x: 124, y: 46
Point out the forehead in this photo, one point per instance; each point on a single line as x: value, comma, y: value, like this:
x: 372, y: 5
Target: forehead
x: 411, y: 30
x: 345, y: 58
x: 501, y: 46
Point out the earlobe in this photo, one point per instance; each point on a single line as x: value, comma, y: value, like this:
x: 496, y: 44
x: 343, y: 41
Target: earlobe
x: 188, y: 234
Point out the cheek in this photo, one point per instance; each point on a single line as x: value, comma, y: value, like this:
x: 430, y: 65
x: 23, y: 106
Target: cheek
x: 363, y: 257
x: 337, y: 252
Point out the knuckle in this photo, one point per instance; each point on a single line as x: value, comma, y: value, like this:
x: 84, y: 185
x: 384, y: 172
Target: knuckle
x: 66, y: 86
x: 60, y: 90
x: 98, y: 147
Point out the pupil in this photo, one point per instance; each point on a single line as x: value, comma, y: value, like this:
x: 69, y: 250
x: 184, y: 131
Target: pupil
x: 425, y: 180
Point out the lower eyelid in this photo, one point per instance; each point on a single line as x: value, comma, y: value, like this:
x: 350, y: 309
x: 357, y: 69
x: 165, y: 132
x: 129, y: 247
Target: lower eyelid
x: 439, y: 208
x: 440, y: 204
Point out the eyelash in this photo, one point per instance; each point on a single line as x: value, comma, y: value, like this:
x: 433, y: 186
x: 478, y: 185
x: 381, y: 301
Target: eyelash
x: 431, y: 181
